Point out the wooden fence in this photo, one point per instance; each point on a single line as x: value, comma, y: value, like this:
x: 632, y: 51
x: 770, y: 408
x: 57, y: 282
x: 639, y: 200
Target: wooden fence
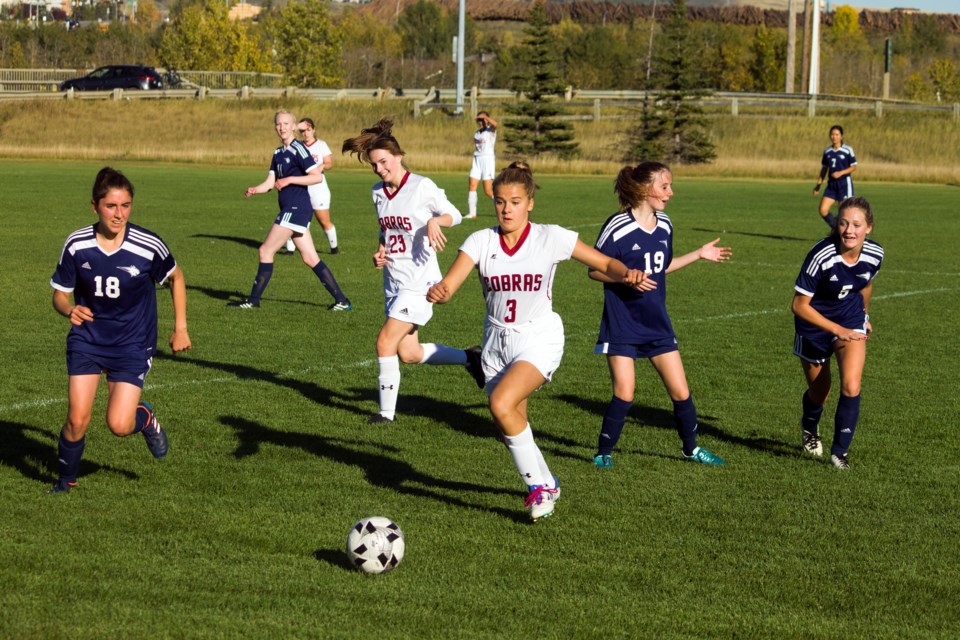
x: 42, y: 84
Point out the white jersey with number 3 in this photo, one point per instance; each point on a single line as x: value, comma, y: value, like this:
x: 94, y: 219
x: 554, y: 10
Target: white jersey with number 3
x: 404, y: 214
x: 517, y: 281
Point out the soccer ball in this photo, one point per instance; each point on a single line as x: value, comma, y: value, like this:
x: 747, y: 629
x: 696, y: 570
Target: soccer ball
x: 375, y: 545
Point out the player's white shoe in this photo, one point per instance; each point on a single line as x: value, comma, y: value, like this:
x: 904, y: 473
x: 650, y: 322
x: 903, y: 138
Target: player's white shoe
x: 811, y: 443
x: 840, y: 462
x: 540, y: 501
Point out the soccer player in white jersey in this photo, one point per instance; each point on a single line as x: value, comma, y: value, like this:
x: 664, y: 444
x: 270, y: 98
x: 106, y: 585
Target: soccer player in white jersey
x: 292, y: 170
x: 319, y: 192
x: 830, y: 304
x: 837, y: 164
x: 523, y: 337
x: 484, y: 161
x: 111, y: 269
x: 412, y: 211
x: 635, y: 324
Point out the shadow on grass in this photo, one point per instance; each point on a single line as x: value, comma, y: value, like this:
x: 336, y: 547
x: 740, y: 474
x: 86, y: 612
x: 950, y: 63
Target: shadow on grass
x: 246, y: 242
x: 335, y: 557
x: 309, y: 390
x: 380, y: 470
x: 663, y: 419
x: 221, y: 294
x: 755, y: 235
x: 33, y: 452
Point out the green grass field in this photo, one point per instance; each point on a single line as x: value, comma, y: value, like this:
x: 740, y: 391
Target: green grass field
x: 240, y: 531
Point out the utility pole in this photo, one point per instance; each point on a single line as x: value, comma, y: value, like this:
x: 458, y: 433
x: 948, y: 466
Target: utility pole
x: 461, y: 37
x: 805, y: 54
x: 815, y: 50
x: 791, y: 45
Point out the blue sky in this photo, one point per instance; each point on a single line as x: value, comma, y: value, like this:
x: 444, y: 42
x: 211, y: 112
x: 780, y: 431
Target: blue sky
x: 938, y: 6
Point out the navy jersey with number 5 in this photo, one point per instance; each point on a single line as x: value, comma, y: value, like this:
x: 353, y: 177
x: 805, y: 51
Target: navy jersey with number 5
x: 119, y: 288
x: 631, y: 316
x: 834, y: 285
x: 290, y: 162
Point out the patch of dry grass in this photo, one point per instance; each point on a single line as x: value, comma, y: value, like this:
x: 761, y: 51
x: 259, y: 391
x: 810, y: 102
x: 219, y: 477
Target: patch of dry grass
x: 909, y: 147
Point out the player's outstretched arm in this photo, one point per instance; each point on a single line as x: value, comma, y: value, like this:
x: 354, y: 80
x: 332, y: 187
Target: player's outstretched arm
x: 180, y: 339
x: 606, y: 269
x: 263, y: 187
x: 441, y: 292
x: 709, y: 251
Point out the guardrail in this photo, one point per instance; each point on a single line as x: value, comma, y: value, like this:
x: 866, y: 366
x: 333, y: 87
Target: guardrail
x: 585, y: 105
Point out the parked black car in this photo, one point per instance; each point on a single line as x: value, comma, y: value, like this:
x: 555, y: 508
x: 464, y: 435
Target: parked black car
x: 116, y: 76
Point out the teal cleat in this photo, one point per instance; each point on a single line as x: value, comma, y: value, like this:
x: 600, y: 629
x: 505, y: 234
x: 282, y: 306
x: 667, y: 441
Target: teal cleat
x: 603, y: 461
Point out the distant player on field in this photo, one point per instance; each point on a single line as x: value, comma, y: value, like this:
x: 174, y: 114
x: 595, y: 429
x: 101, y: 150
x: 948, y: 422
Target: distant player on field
x: 411, y: 210
x: 319, y: 192
x: 484, y: 161
x: 523, y: 337
x: 635, y: 324
x: 830, y: 304
x: 292, y: 170
x: 111, y: 269
x: 837, y: 165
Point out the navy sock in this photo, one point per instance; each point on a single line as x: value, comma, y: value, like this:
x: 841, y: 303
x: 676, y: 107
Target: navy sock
x: 329, y: 282
x: 68, y: 457
x: 264, y: 271
x: 844, y: 424
x: 811, y: 414
x: 142, y: 418
x: 830, y: 220
x: 685, y: 416
x: 612, y: 426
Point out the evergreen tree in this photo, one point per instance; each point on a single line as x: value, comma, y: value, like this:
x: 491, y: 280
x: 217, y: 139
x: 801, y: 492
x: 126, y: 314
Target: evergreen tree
x: 673, y: 127
x: 535, y: 129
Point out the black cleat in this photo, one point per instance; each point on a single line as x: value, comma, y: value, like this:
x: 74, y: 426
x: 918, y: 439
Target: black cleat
x: 244, y: 304
x: 62, y: 486
x: 379, y: 419
x: 155, y: 436
x: 475, y: 367
x: 334, y: 250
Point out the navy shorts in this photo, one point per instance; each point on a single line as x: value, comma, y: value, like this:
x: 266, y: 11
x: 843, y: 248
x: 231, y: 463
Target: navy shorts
x: 637, y: 351
x: 130, y: 369
x: 295, y: 218
x: 839, y: 190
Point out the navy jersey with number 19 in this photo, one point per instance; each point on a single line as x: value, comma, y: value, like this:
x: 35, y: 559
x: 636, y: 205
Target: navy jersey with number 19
x: 119, y: 288
x: 631, y: 316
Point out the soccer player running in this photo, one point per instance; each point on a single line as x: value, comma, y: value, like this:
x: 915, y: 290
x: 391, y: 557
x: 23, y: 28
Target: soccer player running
x: 837, y: 165
x: 635, y: 324
x: 412, y: 211
x: 523, y: 337
x: 484, y: 161
x: 830, y: 304
x: 319, y: 192
x: 292, y: 170
x: 111, y: 269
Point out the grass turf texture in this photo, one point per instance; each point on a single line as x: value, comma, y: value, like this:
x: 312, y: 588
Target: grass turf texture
x: 240, y: 531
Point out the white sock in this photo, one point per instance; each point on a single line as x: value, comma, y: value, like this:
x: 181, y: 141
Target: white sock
x: 290, y: 246
x: 389, y: 383
x: 472, y: 203
x: 331, y: 236
x: 527, y: 457
x: 442, y: 354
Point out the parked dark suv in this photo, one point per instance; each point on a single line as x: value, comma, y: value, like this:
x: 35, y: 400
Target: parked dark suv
x: 116, y: 76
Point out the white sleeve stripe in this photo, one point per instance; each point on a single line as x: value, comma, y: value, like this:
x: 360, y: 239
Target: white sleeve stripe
x: 60, y: 287
x: 149, y: 241
x: 803, y: 291
x: 615, y: 223
x: 164, y: 279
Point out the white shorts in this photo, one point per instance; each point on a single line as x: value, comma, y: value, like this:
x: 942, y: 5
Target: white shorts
x: 319, y: 196
x: 409, y: 306
x: 483, y: 168
x: 539, y: 342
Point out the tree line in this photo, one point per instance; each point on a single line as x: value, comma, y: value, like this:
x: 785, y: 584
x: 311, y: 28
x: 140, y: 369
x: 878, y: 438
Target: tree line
x: 315, y: 43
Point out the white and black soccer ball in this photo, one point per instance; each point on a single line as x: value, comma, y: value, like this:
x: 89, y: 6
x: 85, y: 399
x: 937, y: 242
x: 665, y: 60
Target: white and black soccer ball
x: 375, y: 545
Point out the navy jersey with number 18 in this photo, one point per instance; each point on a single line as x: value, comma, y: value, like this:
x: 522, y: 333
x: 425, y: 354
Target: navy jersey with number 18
x: 119, y: 288
x: 631, y: 316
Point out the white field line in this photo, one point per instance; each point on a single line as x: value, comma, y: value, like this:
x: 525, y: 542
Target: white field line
x: 44, y: 402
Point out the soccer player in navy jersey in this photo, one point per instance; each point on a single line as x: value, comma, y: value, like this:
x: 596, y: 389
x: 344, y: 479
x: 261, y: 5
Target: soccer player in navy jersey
x: 111, y: 269
x: 523, y: 337
x: 635, y: 323
x: 292, y: 170
x: 837, y: 165
x: 412, y: 212
x: 830, y: 304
